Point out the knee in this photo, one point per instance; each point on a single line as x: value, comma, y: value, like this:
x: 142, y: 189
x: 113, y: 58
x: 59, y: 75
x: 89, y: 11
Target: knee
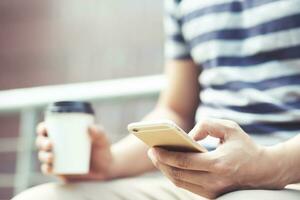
x: 246, y: 195
x: 49, y: 191
x: 261, y: 194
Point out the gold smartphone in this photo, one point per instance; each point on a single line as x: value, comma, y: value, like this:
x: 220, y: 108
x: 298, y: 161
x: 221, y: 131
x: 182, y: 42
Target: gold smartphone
x: 165, y: 134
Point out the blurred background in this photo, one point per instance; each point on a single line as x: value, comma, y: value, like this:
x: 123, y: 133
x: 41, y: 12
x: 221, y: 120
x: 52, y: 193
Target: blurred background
x: 69, y: 41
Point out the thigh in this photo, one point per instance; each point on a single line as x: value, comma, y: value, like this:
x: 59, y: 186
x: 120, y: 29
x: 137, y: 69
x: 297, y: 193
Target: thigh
x: 135, y: 189
x: 123, y: 189
x: 290, y: 194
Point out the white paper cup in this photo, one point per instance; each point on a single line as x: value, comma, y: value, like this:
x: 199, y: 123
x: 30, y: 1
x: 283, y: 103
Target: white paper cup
x: 67, y: 126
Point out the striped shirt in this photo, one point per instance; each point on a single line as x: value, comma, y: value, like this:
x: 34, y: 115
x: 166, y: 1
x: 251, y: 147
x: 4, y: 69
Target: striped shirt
x: 249, y: 51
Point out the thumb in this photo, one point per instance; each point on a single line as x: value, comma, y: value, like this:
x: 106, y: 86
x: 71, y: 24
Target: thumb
x: 217, y: 128
x: 97, y: 136
x: 196, y: 132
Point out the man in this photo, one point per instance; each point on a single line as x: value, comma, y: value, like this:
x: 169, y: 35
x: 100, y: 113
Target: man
x: 248, y: 55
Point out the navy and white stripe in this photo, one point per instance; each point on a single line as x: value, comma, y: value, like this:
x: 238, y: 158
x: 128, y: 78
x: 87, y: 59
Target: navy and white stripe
x: 249, y: 51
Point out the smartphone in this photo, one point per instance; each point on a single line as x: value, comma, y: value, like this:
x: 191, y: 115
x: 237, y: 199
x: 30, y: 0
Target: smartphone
x: 165, y: 134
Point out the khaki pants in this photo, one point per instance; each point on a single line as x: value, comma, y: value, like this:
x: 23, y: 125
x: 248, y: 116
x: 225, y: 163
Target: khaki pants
x: 141, y: 188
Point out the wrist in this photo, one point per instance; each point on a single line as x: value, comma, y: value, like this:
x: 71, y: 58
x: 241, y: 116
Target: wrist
x: 278, y: 161
x: 117, y: 167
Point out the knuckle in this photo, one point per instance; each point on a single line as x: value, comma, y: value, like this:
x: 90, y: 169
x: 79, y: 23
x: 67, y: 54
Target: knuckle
x: 178, y: 183
x: 41, y: 141
x: 204, y: 124
x: 45, y: 157
x: 211, y: 195
x: 46, y: 144
x: 182, y: 161
x: 231, y: 125
x: 222, y: 167
x: 49, y: 157
x: 176, y: 173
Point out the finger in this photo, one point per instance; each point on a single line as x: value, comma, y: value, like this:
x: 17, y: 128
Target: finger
x: 195, y: 188
x: 46, y: 169
x: 45, y: 157
x: 79, y: 178
x: 218, y: 128
x: 41, y: 129
x: 71, y: 178
x: 191, y: 161
x: 202, y: 178
x: 43, y: 143
x: 98, y: 136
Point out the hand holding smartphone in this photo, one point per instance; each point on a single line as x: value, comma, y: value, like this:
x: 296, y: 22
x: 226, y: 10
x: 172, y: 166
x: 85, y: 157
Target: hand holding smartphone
x: 165, y: 134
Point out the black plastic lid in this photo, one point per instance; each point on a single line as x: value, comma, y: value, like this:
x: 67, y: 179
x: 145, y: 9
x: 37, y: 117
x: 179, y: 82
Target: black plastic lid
x: 70, y: 106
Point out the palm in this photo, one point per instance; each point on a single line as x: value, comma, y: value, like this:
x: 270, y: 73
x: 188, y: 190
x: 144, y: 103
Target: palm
x: 101, y: 158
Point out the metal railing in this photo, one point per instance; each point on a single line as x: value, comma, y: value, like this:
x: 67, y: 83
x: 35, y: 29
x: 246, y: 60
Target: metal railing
x: 29, y: 101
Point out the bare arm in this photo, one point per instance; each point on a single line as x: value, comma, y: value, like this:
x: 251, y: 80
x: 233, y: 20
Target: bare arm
x: 237, y: 163
x: 178, y: 102
x: 286, y: 160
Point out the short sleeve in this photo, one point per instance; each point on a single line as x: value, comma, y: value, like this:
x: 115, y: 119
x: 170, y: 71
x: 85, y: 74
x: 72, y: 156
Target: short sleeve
x: 175, y: 45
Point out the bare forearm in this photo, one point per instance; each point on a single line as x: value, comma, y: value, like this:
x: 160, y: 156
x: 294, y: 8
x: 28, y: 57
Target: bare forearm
x: 131, y: 154
x: 177, y: 102
x: 286, y: 160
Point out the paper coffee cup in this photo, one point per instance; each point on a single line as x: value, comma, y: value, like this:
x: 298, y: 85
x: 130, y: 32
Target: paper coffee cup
x: 67, y: 125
